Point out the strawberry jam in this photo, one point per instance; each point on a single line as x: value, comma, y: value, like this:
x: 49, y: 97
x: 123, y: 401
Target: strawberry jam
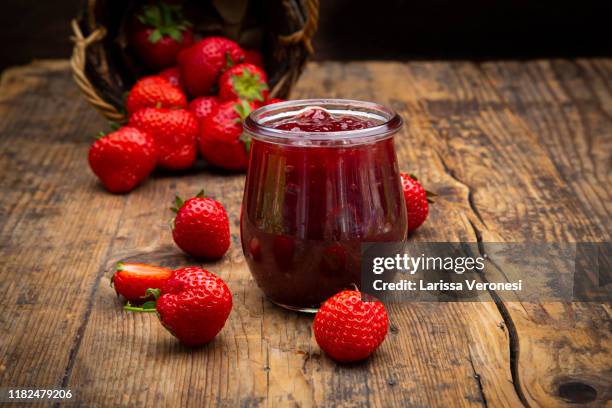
x: 316, y: 119
x: 322, y: 179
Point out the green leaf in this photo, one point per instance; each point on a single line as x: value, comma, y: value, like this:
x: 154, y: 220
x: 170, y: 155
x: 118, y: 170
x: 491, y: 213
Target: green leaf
x: 228, y: 60
x: 149, y: 305
x: 129, y: 308
x: 114, y: 125
x: 200, y: 194
x: 175, y: 34
x: 120, y: 266
x: 155, y: 36
x: 249, y: 85
x: 246, y: 139
x: 178, y: 201
x: 156, y: 293
x: 243, y: 109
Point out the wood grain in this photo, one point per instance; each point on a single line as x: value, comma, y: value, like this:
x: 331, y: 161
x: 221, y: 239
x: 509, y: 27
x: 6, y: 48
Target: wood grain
x: 519, y: 196
x: 516, y: 152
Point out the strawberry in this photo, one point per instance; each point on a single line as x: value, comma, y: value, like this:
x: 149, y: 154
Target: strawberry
x: 244, y: 81
x: 201, y: 227
x: 417, y: 201
x: 123, y: 158
x: 173, y: 75
x: 154, y: 91
x: 202, y: 63
x: 253, y: 57
x: 131, y: 280
x: 175, y: 132
x: 203, y: 106
x: 193, y: 305
x: 348, y: 328
x: 159, y: 34
x: 221, y: 141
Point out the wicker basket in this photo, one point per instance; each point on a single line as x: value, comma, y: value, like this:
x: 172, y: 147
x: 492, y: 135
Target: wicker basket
x: 104, y: 67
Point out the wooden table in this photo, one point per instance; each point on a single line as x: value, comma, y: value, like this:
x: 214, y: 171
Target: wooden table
x: 517, y: 151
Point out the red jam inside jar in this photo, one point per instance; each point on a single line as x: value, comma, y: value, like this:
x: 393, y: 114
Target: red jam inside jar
x: 322, y: 179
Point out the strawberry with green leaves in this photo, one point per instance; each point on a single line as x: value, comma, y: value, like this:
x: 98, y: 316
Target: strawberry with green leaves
x: 201, y: 227
x: 193, y: 305
x: 244, y: 81
x: 159, y: 34
x: 222, y: 141
x: 131, y: 280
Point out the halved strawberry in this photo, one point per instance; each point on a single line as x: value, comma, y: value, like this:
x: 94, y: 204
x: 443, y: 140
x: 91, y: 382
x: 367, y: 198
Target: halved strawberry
x: 131, y: 280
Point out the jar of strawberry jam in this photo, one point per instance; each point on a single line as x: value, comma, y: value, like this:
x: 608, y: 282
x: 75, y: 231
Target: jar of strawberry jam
x: 323, y: 178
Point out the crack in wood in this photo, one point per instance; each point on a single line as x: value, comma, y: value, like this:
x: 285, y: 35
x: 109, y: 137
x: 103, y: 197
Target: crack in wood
x: 483, y: 398
x: 470, y: 195
x: 513, y: 338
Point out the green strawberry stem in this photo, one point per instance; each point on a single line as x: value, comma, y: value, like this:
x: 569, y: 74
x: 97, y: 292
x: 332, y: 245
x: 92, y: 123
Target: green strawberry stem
x: 166, y: 19
x: 178, y: 201
x: 146, y: 307
x: 249, y: 85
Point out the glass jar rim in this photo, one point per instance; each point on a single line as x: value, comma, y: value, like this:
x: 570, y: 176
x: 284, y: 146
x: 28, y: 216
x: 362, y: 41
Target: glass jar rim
x: 255, y: 124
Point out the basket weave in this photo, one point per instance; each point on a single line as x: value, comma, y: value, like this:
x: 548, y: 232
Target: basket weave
x: 104, y: 67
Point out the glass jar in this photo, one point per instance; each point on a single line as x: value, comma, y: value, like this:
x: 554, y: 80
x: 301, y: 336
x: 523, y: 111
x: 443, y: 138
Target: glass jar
x: 311, y: 199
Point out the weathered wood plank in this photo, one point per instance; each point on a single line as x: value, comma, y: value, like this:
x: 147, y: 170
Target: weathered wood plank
x: 505, y: 170
x: 520, y: 196
x: 53, y: 240
x: 283, y: 365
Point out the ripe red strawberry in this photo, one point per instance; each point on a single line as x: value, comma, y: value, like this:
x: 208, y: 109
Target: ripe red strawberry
x: 202, y: 63
x: 349, y: 329
x: 244, y: 81
x: 417, y: 203
x: 253, y: 57
x: 203, y: 106
x: 193, y: 305
x: 131, y: 280
x: 123, y: 158
x: 159, y: 34
x: 154, y: 91
x: 175, y: 132
x: 221, y: 141
x: 173, y: 75
x: 201, y: 227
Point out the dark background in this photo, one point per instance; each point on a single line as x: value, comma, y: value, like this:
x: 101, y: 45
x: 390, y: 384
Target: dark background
x: 383, y: 29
